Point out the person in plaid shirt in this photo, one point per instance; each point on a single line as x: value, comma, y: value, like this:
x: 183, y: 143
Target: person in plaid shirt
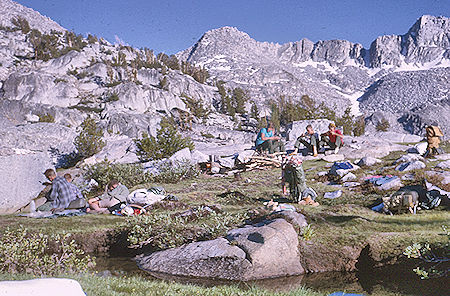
x: 61, y: 194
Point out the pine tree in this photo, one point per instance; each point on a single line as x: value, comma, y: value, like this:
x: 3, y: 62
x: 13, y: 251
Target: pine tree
x: 167, y: 142
x: 346, y: 121
x: 254, y: 111
x: 90, y: 139
x: 239, y: 98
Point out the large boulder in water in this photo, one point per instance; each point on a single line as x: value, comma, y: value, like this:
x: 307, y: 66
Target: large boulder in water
x: 264, y: 250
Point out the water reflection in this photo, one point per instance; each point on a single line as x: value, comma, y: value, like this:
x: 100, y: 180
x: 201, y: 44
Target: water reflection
x: 399, y: 280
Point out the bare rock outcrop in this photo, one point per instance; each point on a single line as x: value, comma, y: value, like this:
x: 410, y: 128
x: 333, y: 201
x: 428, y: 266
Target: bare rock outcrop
x: 265, y: 250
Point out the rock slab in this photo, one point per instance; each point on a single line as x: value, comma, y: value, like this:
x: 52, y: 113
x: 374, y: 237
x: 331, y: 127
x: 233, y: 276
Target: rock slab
x: 265, y: 250
x: 21, y: 176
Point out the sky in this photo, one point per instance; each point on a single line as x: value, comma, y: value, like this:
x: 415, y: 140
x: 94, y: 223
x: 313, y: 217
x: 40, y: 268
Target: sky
x: 171, y: 26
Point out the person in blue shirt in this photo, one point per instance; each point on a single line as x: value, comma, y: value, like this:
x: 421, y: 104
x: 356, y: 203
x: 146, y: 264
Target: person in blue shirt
x: 267, y: 141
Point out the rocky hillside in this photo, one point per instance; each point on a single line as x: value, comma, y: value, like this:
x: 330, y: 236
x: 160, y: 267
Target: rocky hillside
x: 11, y: 10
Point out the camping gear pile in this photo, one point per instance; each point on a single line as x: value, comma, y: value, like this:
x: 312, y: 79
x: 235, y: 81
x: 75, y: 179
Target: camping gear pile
x: 139, y: 200
x: 241, y: 162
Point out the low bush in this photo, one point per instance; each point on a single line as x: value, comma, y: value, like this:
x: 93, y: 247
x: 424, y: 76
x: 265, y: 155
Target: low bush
x: 47, y: 117
x: 383, y: 125
x: 114, y: 97
x: 359, y: 126
x: 128, y: 174
x: 234, y: 198
x: 22, y: 251
x: 164, y: 230
x: 169, y: 173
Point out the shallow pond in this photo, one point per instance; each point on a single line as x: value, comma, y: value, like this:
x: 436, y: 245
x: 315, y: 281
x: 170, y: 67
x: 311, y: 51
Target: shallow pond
x: 400, y: 280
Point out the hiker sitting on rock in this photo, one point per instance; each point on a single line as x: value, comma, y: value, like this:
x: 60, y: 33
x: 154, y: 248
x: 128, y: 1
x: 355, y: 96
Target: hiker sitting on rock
x: 333, y: 138
x: 266, y: 141
x: 115, y: 193
x: 310, y: 139
x: 61, y: 195
x: 433, y: 132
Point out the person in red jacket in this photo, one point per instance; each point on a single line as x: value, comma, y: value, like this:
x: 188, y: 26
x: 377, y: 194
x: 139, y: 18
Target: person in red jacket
x: 333, y: 138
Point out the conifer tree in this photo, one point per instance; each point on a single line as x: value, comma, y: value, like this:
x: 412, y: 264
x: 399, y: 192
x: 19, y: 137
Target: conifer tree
x: 90, y: 139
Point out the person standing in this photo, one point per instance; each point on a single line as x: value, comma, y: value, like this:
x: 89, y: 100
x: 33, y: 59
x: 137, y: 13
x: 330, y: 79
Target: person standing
x: 433, y: 134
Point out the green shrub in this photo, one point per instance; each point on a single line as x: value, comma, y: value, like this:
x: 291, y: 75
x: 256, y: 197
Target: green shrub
x: 165, y: 230
x: 359, y: 126
x: 307, y: 233
x: 58, y: 80
x: 23, y: 251
x: 163, y: 83
x: 112, y: 98
x: 113, y: 83
x: 383, y: 125
x: 196, y: 107
x: 172, y: 63
x: 346, y: 121
x: 89, y: 141
x: 167, y: 142
x: 200, y: 74
x: 47, y: 117
x: 431, y: 260
x: 73, y: 72
x: 55, y: 44
x: 169, y: 173
x: 232, y: 101
x: 207, y: 135
x: 128, y: 174
x: 92, y: 39
x: 119, y: 60
x: 21, y: 24
x: 234, y: 198
x: 285, y: 110
x: 254, y: 111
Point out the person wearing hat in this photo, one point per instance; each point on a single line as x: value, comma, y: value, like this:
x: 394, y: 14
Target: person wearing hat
x: 333, y: 138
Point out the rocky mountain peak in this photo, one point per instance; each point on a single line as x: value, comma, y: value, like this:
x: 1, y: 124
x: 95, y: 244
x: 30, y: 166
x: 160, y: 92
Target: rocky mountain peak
x: 226, y: 32
x: 10, y: 10
x: 431, y: 31
x: 226, y: 41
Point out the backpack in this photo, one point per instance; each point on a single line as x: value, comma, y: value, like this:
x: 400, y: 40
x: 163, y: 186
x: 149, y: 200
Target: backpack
x: 434, y: 131
x: 432, y: 200
x: 400, y: 201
